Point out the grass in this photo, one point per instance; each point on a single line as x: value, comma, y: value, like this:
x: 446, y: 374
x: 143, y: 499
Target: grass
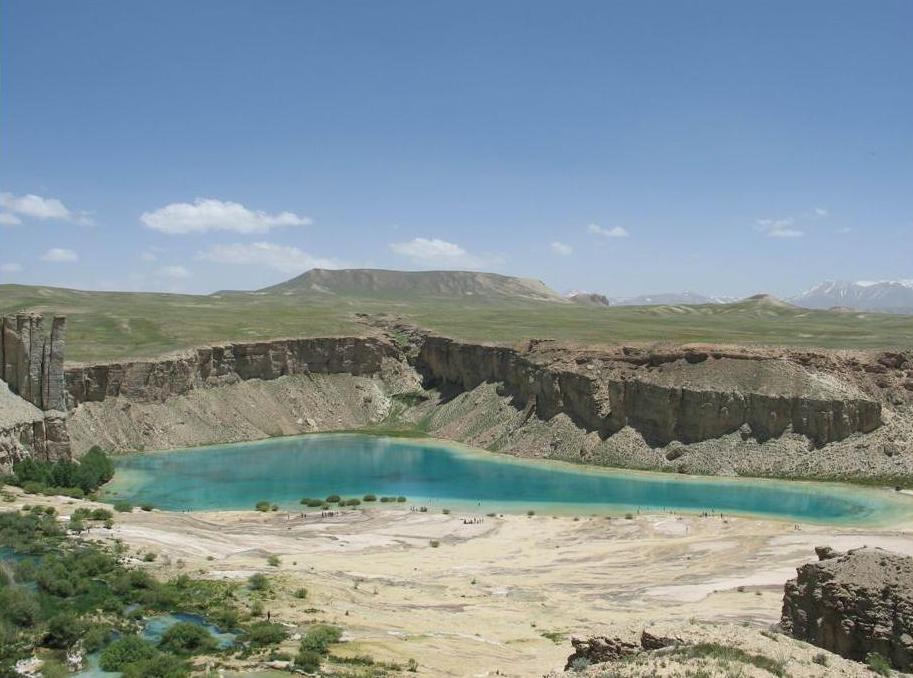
x: 118, y: 325
x: 725, y: 654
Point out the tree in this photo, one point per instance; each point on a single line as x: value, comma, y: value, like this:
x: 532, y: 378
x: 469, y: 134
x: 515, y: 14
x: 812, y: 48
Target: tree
x: 187, y: 638
x: 124, y: 651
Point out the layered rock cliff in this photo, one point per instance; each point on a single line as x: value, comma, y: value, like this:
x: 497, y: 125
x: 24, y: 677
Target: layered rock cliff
x: 691, y: 409
x: 32, y: 391
x: 689, y: 399
x: 853, y: 604
x: 210, y: 366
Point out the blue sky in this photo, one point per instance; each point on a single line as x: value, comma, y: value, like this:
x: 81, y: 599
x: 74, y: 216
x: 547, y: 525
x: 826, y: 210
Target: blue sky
x: 726, y: 147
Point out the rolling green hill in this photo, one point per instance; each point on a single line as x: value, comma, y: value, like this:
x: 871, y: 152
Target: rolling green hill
x: 118, y: 325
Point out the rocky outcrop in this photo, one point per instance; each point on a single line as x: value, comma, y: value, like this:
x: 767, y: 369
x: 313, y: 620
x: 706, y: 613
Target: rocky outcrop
x: 32, y: 394
x: 853, y: 604
x: 691, y: 398
x: 31, y: 360
x: 159, y: 380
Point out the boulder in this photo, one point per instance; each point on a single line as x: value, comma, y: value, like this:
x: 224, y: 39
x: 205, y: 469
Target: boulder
x: 853, y: 604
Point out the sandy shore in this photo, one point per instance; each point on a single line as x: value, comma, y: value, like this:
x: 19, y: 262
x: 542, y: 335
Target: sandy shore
x: 500, y: 594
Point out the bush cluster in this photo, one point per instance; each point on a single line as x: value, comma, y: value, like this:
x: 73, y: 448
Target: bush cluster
x: 64, y: 477
x: 62, y: 592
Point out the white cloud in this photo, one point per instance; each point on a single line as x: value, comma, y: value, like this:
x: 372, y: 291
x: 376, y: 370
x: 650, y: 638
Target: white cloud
x: 148, y: 256
x: 561, y: 248
x: 437, y: 252
x: 821, y: 213
x: 279, y: 257
x: 10, y: 267
x: 60, y: 255
x: 33, y: 206
x: 173, y: 272
x: 779, y: 228
x: 206, y: 214
x: 428, y: 249
x: 614, y: 232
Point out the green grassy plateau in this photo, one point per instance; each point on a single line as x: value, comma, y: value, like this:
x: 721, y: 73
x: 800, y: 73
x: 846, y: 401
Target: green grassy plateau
x: 117, y: 325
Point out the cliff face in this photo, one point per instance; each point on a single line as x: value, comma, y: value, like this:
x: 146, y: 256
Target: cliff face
x: 31, y: 361
x: 695, y: 410
x: 159, y: 380
x: 853, y: 604
x: 32, y: 393
x: 687, y: 399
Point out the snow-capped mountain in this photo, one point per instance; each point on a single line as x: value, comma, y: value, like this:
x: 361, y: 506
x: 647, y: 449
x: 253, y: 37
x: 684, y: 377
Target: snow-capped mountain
x: 892, y: 296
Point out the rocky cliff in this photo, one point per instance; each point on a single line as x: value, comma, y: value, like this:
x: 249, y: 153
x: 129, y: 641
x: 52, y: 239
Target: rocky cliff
x: 159, y: 380
x: 31, y: 360
x: 687, y: 398
x: 235, y: 392
x: 691, y: 409
x: 32, y: 391
x: 853, y: 604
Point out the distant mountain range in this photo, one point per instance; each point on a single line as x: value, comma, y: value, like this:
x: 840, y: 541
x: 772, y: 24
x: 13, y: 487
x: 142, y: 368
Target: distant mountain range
x: 661, y: 299
x: 893, y: 296
x: 890, y: 296
x: 887, y: 296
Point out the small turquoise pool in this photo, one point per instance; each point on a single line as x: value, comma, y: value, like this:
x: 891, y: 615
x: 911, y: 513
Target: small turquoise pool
x: 282, y: 470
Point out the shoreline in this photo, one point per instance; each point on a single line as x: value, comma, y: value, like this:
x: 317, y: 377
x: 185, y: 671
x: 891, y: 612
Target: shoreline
x: 502, y: 595
x: 890, y: 508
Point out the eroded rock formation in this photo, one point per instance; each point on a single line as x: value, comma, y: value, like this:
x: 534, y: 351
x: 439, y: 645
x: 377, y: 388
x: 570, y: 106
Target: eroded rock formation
x: 158, y: 380
x: 689, y: 399
x: 696, y: 409
x: 853, y: 604
x: 31, y: 360
x: 32, y: 389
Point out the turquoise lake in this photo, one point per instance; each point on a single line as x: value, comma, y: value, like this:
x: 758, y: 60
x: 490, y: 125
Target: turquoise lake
x: 438, y: 475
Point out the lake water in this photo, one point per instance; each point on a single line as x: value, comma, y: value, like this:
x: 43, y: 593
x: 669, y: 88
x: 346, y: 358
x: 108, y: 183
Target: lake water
x: 435, y: 474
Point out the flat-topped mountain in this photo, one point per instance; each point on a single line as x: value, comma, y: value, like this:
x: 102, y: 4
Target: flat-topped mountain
x: 369, y: 282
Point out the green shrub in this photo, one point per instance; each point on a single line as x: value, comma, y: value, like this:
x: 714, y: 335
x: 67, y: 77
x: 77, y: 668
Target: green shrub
x: 147, y: 507
x: 96, y: 637
x: 160, y: 665
x: 273, y: 560
x: 123, y: 507
x: 63, y: 631
x: 258, y: 582
x: 187, y: 638
x: 401, y: 500
x: 263, y: 506
x: 319, y: 637
x: 101, y: 514
x: 308, y: 661
x: 353, y: 502
x: 434, y: 543
x: 126, y: 650
x: 530, y: 513
x: 265, y: 633
x: 878, y: 664
x: 149, y: 557
x: 369, y: 497
x: 301, y: 593
x: 64, y: 476
x: 19, y: 607
x: 446, y: 512
x: 333, y: 499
